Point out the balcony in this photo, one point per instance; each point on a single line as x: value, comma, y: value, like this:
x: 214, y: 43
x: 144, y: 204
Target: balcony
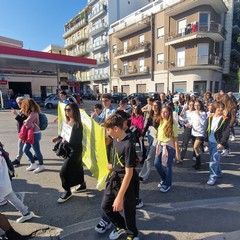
x: 69, y: 44
x: 198, y: 62
x: 81, y: 37
x: 99, y: 45
x: 215, y: 31
x: 97, y: 12
x: 84, y: 79
x: 183, y: 6
x: 97, y: 28
x: 81, y: 51
x: 236, y: 27
x: 236, y: 50
x: 89, y: 2
x: 102, y: 60
x: 133, y: 50
x: 132, y: 72
x: 75, y: 28
x: 128, y: 27
x: 99, y: 77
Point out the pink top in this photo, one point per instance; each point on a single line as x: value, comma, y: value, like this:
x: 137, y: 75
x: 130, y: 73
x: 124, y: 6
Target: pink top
x: 33, y: 121
x: 138, y: 121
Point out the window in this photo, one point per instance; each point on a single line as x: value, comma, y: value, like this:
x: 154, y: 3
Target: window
x: 160, y: 32
x: 204, y: 19
x: 125, y: 45
x: 125, y: 67
x: 114, y: 48
x: 180, y: 53
x: 181, y: 26
x: 141, y: 38
x: 141, y: 64
x: 115, y: 67
x: 160, y: 58
x: 203, y: 52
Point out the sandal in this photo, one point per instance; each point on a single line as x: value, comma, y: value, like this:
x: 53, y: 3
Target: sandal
x: 179, y: 161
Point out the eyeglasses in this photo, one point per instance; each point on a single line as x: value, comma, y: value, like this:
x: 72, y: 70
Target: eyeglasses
x: 67, y: 109
x: 105, y: 100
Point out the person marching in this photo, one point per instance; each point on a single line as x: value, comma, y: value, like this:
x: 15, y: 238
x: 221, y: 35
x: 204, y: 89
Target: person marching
x: 167, y: 148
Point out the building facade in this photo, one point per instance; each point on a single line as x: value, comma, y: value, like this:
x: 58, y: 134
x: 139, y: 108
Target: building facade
x: 172, y: 45
x: 93, y: 24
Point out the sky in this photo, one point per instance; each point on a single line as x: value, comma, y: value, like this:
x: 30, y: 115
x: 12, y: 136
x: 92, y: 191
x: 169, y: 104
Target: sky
x: 38, y: 23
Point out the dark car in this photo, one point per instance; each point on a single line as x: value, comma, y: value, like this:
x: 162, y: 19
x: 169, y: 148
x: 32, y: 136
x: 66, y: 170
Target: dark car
x: 153, y: 95
x: 89, y: 96
x: 141, y: 96
x: 118, y: 96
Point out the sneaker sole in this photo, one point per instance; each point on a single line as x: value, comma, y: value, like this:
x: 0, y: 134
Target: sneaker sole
x: 30, y: 216
x: 122, y: 231
x: 103, y: 231
x: 79, y: 191
x: 61, y: 200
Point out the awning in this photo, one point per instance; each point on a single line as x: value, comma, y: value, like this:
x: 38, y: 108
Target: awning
x: 14, y: 59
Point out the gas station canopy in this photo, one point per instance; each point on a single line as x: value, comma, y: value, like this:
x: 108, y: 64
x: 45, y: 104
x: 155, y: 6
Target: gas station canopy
x: 36, y: 62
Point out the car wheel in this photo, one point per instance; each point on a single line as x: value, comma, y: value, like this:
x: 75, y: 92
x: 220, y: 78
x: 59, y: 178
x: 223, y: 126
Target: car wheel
x: 49, y: 106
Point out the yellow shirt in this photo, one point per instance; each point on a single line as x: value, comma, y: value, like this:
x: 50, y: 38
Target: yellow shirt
x: 161, y: 135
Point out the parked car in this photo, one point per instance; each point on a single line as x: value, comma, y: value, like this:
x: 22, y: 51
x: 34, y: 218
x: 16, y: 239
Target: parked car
x: 52, y: 101
x: 89, y: 96
x: 153, y: 95
x: 118, y: 96
x: 141, y: 96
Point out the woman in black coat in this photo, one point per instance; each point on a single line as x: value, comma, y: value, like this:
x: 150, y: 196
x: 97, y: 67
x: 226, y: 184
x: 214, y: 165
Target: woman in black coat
x: 71, y: 173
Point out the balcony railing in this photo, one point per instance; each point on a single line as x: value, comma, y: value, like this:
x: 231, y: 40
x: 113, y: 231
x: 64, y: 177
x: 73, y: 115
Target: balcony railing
x: 135, y: 71
x: 97, y: 28
x: 214, y: 31
x: 102, y: 60
x: 70, y: 31
x: 69, y: 44
x: 81, y: 51
x: 84, y: 79
x: 131, y: 50
x: 204, y: 60
x: 97, y: 77
x: 91, y: 2
x: 236, y: 48
x: 99, y: 44
x: 97, y: 12
x: 81, y: 37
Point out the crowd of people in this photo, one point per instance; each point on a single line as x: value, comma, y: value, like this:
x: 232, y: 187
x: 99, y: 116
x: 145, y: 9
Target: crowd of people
x: 208, y: 124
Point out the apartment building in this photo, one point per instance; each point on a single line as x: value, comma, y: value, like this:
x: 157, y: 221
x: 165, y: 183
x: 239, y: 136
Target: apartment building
x: 233, y: 79
x: 92, y: 24
x: 171, y: 45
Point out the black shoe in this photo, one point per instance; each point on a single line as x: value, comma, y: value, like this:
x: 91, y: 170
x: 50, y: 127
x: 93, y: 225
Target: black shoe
x: 16, y: 163
x: 65, y: 196
x: 142, y: 180
x: 196, y: 166
x: 81, y: 188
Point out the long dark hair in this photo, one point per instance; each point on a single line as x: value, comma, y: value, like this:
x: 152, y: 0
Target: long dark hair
x: 75, y: 112
x: 156, y: 118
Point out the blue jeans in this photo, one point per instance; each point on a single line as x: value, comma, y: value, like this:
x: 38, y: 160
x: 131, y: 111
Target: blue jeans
x: 165, y: 172
x: 215, y: 160
x: 36, y: 148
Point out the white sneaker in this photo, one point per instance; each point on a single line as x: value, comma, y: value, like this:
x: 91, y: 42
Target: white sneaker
x: 39, y: 169
x: 24, y: 218
x: 32, y: 167
x: 232, y: 138
x: 225, y: 152
x: 116, y: 233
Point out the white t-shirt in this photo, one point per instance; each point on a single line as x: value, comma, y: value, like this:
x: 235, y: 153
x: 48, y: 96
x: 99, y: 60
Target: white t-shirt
x: 5, y: 183
x: 198, y: 123
x: 215, y: 122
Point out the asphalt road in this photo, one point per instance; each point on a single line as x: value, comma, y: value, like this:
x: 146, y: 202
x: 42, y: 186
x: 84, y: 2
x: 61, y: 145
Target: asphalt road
x: 190, y: 210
